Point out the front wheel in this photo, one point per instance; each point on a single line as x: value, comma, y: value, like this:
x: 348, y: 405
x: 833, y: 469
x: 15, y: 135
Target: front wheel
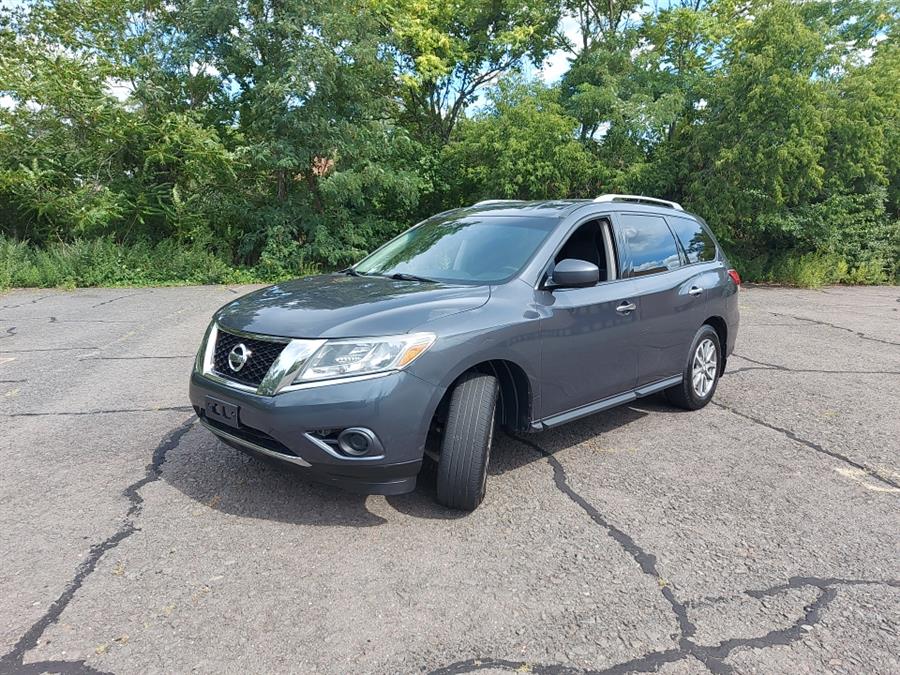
x: 701, y: 374
x: 466, y: 446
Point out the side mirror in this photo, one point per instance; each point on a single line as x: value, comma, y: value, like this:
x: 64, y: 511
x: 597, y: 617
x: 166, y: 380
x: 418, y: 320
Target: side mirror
x: 572, y: 273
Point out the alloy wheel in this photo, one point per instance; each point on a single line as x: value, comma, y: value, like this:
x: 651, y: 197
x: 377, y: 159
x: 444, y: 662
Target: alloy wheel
x: 703, y: 368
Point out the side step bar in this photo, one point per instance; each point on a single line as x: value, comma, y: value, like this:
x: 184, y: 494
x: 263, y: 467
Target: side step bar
x: 605, y: 404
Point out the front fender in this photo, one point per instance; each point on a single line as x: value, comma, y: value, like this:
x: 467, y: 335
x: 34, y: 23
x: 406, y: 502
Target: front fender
x: 497, y: 331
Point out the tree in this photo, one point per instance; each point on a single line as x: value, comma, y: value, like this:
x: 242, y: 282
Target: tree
x: 446, y: 52
x: 758, y: 145
x: 523, y: 147
x: 276, y: 133
x: 74, y: 161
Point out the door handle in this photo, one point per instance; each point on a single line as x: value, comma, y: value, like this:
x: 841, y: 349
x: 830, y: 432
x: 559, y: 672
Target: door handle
x: 695, y: 290
x: 626, y: 307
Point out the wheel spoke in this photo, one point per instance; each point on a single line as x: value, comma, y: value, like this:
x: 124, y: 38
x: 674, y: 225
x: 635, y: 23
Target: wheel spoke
x: 704, y: 368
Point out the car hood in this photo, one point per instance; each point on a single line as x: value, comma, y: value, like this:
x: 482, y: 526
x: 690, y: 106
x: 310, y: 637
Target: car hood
x: 338, y: 305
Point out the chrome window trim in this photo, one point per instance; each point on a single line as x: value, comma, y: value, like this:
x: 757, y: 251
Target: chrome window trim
x: 293, y: 459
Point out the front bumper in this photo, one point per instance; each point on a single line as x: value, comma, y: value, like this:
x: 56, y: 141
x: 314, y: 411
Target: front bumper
x: 396, y: 407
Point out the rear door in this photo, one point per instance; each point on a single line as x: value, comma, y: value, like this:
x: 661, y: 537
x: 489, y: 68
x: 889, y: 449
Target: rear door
x: 662, y: 287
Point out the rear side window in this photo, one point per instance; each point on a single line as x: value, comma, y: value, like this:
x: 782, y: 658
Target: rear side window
x: 698, y: 245
x: 650, y: 244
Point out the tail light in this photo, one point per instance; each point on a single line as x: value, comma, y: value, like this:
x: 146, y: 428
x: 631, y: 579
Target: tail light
x: 735, y: 277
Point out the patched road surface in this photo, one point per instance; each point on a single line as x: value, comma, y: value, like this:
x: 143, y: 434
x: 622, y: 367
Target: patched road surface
x: 759, y: 535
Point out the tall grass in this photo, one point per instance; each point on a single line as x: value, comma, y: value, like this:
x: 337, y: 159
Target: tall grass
x: 811, y: 270
x: 103, y: 262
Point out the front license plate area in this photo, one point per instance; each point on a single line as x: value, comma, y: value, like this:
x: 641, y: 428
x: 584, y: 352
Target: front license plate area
x: 220, y: 411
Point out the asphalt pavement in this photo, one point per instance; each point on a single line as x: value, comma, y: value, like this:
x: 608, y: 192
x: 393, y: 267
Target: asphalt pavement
x: 759, y: 535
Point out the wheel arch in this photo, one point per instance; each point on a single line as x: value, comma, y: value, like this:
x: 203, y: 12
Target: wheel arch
x: 516, y: 391
x: 717, y: 323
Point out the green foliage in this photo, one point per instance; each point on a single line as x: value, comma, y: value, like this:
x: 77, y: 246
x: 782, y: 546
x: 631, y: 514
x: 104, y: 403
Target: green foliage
x: 446, y: 51
x: 194, y: 141
x: 523, y: 147
x: 102, y: 262
x: 763, y: 135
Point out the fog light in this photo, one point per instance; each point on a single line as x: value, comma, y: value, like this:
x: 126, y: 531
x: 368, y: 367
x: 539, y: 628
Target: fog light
x: 356, y: 441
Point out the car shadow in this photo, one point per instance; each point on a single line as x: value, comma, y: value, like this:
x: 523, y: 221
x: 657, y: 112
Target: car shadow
x: 226, y: 480
x: 222, y: 478
x: 510, y: 454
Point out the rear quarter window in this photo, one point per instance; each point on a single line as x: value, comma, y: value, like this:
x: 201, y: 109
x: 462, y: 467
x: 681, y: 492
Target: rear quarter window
x: 697, y: 243
x: 650, y: 244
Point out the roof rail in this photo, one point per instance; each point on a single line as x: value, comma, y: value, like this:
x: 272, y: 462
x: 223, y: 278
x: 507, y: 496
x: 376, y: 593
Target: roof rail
x: 483, y: 202
x: 639, y: 198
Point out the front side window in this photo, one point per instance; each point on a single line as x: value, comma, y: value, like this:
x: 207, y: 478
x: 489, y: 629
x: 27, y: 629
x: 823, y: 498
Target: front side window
x: 458, y: 248
x: 650, y: 244
x: 698, y: 245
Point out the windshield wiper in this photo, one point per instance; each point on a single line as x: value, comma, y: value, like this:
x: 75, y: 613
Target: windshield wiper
x: 351, y: 272
x: 403, y: 276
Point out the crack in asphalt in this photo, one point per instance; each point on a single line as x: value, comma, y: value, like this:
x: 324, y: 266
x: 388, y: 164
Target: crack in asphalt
x: 54, y: 319
x: 22, y: 304
x: 113, y: 411
x: 821, y: 583
x: 53, y: 349
x: 712, y: 657
x: 136, y: 358
x: 859, y: 334
x: 763, y: 365
x: 872, y: 473
x: 120, y: 297
x: 61, y: 667
x: 13, y: 661
x: 646, y: 561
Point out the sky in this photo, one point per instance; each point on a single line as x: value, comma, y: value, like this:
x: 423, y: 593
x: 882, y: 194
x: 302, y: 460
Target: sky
x: 556, y: 65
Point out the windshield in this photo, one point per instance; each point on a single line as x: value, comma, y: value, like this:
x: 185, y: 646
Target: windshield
x: 461, y: 249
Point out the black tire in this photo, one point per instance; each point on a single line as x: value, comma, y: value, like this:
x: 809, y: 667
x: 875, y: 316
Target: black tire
x: 685, y: 395
x: 466, y: 446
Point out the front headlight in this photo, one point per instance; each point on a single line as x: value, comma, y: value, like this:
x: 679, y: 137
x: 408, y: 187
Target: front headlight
x: 363, y: 356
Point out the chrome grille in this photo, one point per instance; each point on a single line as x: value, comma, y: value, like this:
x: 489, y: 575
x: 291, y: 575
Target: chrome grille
x: 262, y: 355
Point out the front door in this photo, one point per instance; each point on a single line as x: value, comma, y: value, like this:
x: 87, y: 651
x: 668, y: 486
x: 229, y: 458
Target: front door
x: 588, y: 347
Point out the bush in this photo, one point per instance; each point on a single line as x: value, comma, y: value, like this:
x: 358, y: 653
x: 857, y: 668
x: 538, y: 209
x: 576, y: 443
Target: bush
x: 808, y: 270
x: 103, y: 262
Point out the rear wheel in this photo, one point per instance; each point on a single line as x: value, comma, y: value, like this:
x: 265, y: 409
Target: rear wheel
x: 701, y: 374
x: 466, y: 446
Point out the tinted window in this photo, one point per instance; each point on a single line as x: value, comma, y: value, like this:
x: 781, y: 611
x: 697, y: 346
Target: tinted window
x: 460, y: 248
x: 650, y: 244
x: 694, y: 238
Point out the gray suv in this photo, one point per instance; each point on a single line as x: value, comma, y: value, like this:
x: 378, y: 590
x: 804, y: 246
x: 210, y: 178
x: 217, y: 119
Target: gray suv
x: 513, y: 313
